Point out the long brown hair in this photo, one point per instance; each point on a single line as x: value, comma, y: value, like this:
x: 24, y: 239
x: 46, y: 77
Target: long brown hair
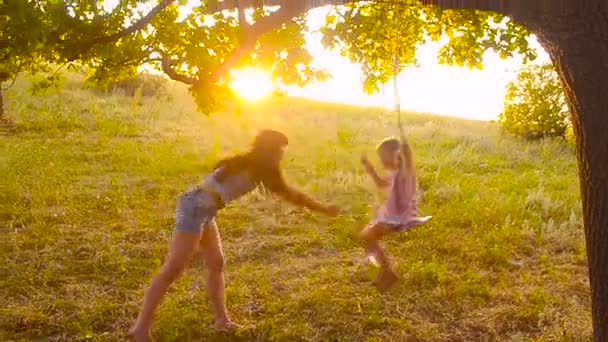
x: 261, y: 159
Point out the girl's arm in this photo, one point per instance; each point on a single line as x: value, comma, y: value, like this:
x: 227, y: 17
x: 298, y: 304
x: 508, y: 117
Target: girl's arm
x: 278, y: 186
x: 408, y: 154
x: 380, y: 182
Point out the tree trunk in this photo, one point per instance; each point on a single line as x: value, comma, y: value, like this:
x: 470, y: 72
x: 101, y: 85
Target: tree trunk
x: 1, y: 103
x: 585, y: 72
x: 5, y: 124
x: 577, y: 41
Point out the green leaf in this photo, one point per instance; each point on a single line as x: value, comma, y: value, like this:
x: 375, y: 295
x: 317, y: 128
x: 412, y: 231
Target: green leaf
x: 330, y: 19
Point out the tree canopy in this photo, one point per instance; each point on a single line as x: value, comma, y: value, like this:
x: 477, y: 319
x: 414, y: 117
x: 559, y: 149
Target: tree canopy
x: 200, y: 47
x: 371, y: 34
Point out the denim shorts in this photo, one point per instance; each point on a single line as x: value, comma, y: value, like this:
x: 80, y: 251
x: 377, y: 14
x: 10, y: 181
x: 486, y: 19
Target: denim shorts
x: 195, y: 208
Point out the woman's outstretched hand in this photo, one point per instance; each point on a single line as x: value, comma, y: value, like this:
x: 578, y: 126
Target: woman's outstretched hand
x: 332, y: 210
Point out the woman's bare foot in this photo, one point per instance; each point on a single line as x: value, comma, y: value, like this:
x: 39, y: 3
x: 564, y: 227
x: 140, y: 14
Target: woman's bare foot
x: 139, y: 335
x: 386, y: 280
x: 226, y: 324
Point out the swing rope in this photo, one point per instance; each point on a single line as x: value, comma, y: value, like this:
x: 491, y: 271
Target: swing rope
x: 397, y: 98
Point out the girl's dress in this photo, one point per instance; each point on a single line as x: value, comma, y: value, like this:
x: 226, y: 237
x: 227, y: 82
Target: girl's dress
x: 399, y: 209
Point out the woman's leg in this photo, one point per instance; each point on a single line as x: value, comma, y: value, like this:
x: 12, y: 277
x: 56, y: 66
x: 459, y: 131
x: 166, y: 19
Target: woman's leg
x: 213, y: 255
x: 183, y: 246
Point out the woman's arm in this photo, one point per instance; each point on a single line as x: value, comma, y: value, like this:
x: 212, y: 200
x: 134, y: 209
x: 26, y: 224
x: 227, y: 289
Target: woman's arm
x: 277, y: 185
x: 379, y: 181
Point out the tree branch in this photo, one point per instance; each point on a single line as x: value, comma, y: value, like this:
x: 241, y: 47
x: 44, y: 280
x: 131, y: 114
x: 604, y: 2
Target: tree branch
x: 138, y: 25
x: 254, y: 32
x: 216, y: 6
x: 502, y: 6
x: 242, y: 17
x: 167, y: 67
x: 5, y: 75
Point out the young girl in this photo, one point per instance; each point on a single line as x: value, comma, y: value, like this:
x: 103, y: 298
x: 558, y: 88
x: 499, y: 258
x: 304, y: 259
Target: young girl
x: 195, y: 226
x: 398, y: 213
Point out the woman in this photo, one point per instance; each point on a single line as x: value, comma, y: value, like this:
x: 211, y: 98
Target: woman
x: 195, y: 226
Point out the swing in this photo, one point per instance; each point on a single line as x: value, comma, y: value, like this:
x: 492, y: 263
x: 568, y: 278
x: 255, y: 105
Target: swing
x: 415, y: 220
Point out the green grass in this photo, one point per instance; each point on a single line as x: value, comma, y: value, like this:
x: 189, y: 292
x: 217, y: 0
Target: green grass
x: 90, y: 192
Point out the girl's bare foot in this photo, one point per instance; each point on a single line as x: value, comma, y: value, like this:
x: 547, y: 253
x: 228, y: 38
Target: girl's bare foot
x: 371, y: 258
x: 386, y: 280
x: 226, y: 324
x: 139, y: 335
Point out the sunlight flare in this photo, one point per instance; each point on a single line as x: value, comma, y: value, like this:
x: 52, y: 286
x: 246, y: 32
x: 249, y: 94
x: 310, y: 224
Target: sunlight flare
x: 251, y: 84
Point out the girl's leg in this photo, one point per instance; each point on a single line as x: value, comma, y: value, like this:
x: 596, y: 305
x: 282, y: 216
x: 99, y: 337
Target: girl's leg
x: 182, y: 248
x: 213, y: 255
x: 372, y: 236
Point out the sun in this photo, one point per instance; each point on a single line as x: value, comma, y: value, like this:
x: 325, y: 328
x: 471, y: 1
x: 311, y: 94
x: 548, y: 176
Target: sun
x: 251, y: 84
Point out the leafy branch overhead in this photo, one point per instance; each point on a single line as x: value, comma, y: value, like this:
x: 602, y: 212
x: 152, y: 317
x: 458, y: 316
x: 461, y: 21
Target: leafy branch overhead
x: 201, y: 47
x: 207, y: 48
x: 372, y: 34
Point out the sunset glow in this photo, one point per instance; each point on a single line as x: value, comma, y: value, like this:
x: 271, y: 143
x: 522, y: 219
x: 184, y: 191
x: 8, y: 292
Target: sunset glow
x: 251, y: 84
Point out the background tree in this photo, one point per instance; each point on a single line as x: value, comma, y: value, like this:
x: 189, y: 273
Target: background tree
x: 200, y: 52
x: 535, y: 104
x: 199, y: 49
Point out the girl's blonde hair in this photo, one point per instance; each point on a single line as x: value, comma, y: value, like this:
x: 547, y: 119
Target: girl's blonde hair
x: 390, y: 145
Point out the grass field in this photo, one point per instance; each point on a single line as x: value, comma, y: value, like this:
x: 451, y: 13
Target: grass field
x: 90, y: 192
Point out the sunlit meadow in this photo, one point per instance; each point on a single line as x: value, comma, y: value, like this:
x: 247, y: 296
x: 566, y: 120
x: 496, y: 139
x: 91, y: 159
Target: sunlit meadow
x: 91, y: 181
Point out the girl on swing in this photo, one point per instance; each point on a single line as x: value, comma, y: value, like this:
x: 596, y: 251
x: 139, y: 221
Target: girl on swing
x: 195, y: 227
x: 398, y: 212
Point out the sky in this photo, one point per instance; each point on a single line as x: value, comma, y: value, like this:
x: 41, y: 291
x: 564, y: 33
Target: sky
x: 428, y: 88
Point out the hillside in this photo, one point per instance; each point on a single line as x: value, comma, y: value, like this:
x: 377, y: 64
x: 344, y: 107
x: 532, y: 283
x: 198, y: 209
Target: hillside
x: 91, y: 184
